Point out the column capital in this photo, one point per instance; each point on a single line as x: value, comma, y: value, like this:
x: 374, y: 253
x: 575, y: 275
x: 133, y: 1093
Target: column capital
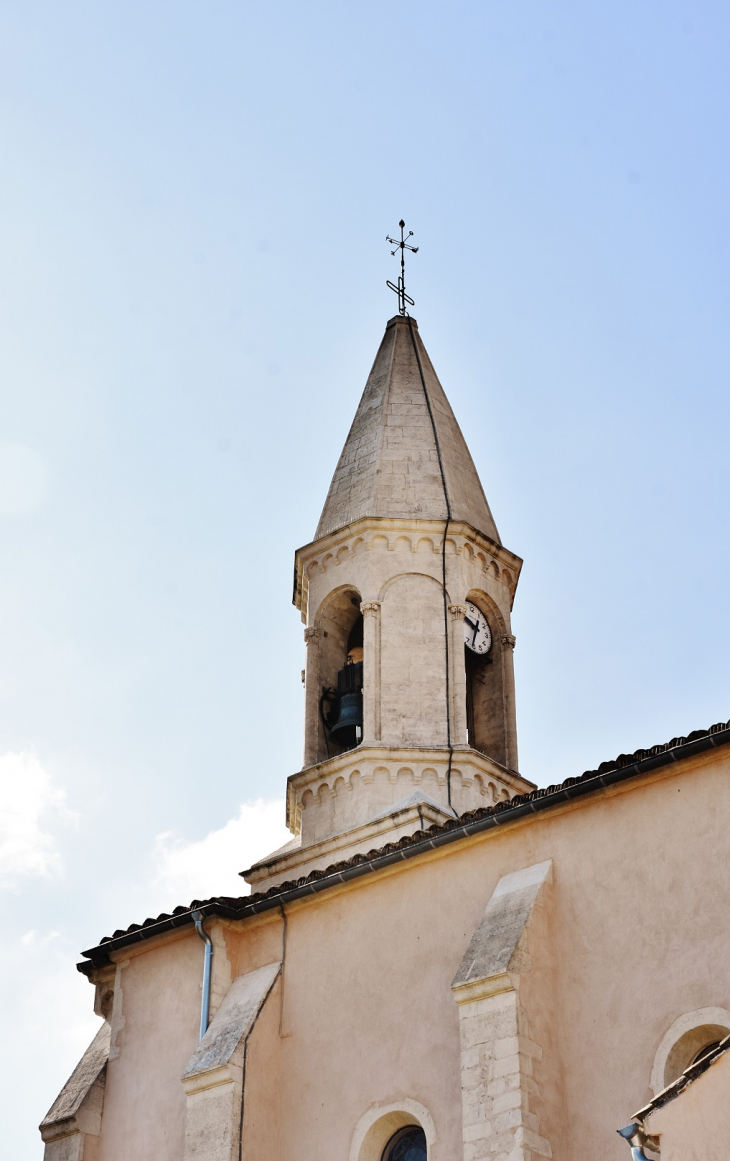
x: 370, y: 608
x: 458, y: 612
x: 311, y: 634
x: 509, y: 640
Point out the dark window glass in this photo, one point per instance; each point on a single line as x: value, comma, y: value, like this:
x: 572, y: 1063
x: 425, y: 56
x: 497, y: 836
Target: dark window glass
x: 407, y: 1145
x: 709, y: 1048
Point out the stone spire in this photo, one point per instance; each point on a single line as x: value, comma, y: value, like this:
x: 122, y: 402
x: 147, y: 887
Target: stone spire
x: 389, y: 464
x: 386, y: 591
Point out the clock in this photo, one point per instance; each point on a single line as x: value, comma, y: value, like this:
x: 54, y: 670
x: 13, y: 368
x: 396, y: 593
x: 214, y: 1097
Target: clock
x: 477, y: 634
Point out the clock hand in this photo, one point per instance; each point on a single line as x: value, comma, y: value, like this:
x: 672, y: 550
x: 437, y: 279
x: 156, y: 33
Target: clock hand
x: 476, y: 630
x: 474, y: 626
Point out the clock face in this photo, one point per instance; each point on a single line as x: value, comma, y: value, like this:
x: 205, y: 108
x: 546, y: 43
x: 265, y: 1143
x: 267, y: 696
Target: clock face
x: 477, y: 634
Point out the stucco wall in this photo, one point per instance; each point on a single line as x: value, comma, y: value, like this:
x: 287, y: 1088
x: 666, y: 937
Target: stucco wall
x: 153, y: 1035
x: 696, y: 1125
x: 364, y: 1015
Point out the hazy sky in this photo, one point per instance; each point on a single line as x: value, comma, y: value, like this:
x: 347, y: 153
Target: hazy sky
x: 194, y: 202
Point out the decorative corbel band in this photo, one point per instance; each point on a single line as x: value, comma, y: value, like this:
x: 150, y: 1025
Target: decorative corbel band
x: 458, y: 612
x: 370, y: 608
x: 311, y: 635
x: 509, y: 640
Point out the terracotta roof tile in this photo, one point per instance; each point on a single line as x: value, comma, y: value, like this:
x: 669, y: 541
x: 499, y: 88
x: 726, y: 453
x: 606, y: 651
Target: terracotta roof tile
x: 465, y: 823
x: 686, y: 1078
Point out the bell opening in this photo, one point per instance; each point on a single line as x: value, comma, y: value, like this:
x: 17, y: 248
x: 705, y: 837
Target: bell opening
x: 341, y: 659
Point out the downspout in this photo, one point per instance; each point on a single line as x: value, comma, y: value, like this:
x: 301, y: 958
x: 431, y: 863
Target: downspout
x: 636, y: 1138
x: 205, y: 1005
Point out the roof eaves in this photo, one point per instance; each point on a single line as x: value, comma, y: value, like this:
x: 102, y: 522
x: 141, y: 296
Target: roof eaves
x: 689, y: 1075
x: 623, y: 768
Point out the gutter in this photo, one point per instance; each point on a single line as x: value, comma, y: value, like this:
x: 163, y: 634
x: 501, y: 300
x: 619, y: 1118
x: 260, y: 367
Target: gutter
x: 500, y: 815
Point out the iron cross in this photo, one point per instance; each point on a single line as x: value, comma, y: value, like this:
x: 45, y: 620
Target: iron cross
x: 400, y: 289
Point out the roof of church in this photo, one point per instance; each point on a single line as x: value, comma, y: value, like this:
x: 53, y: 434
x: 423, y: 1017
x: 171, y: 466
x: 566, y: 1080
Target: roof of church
x: 608, y: 773
x: 389, y: 465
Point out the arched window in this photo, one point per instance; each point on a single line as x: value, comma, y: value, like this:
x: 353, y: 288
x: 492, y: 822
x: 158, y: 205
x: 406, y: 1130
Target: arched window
x: 483, y: 666
x: 691, y: 1047
x: 339, y: 669
x: 691, y: 1036
x: 407, y: 1144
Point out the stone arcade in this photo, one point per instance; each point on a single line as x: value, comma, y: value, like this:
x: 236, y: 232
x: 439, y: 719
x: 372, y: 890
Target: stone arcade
x: 444, y: 961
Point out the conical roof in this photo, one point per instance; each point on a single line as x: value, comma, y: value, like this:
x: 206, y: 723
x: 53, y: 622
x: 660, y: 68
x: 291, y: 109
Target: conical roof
x: 389, y: 465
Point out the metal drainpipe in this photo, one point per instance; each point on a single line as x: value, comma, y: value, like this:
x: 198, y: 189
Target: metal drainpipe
x: 205, y: 1006
x: 636, y: 1138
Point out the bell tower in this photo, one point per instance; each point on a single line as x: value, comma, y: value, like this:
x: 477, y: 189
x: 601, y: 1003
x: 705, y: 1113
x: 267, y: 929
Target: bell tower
x: 406, y: 593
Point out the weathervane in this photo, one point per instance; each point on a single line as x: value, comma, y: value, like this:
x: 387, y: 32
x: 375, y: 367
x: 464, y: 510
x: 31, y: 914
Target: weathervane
x: 400, y: 289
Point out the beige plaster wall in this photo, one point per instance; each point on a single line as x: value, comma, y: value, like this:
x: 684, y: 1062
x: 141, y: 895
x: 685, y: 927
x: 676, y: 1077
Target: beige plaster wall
x: 363, y: 1016
x: 154, y: 1031
x: 696, y: 1125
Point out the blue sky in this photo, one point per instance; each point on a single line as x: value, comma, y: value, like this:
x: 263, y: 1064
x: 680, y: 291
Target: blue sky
x: 192, y: 288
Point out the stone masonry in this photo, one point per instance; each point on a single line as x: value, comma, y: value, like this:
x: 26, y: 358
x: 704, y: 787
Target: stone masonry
x: 498, y: 1056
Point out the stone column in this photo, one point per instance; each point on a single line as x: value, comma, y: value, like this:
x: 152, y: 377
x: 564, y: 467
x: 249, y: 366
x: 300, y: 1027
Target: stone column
x: 311, y: 697
x: 371, y: 671
x: 510, y: 715
x: 497, y: 1076
x: 457, y: 675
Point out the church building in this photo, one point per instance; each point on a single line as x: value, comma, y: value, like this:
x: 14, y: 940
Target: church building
x: 445, y: 962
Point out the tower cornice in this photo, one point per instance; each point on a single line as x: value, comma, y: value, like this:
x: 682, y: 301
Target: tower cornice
x: 330, y: 551
x: 471, y: 765
x: 340, y: 807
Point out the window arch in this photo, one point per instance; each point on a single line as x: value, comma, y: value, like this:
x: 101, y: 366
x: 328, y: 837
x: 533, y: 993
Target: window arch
x: 380, y: 1126
x: 408, y: 1144
x: 339, y: 669
x: 690, y: 1036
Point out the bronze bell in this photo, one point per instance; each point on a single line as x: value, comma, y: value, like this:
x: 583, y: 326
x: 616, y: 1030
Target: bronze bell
x: 347, y: 730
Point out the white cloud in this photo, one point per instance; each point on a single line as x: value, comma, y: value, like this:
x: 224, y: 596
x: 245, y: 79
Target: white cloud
x: 29, y: 805
x: 49, y: 1020
x: 47, y: 965
x: 210, y: 866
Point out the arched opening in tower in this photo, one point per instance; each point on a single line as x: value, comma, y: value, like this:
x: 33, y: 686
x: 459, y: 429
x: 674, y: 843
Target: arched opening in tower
x: 483, y: 673
x: 340, y: 675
